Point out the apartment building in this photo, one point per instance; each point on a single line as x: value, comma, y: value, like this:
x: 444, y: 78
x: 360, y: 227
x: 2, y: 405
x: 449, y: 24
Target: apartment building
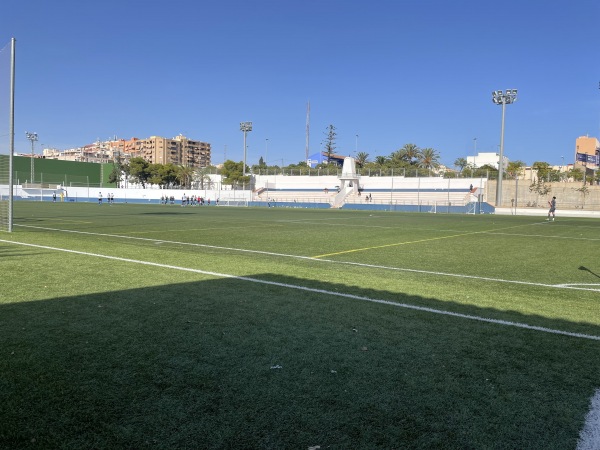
x: 587, y: 152
x: 156, y: 149
x: 178, y: 150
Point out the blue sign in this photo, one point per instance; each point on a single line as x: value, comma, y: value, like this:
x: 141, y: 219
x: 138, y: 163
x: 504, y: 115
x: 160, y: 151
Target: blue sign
x: 590, y: 159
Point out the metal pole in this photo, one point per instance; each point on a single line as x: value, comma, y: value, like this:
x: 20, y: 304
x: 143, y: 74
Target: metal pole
x: 245, y: 127
x: 32, y: 165
x: 11, y: 135
x: 516, y: 193
x: 501, y: 162
x: 244, y: 168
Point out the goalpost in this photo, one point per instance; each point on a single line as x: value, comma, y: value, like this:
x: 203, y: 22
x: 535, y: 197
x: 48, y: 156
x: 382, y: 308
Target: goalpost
x: 7, y: 110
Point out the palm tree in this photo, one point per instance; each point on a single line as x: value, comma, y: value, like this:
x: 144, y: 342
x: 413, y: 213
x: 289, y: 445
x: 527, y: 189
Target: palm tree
x: 409, y: 153
x: 185, y: 176
x: 362, y: 158
x: 201, y: 178
x: 381, y: 160
x: 428, y: 158
x: 461, y: 163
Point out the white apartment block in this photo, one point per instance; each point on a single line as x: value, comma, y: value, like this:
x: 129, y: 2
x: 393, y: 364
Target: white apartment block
x: 491, y: 159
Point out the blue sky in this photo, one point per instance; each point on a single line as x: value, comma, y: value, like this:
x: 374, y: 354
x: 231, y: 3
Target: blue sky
x: 390, y: 71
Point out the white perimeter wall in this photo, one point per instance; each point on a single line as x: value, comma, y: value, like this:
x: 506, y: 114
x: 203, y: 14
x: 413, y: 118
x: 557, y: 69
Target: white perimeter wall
x: 130, y: 193
x: 367, y: 183
x: 262, y: 181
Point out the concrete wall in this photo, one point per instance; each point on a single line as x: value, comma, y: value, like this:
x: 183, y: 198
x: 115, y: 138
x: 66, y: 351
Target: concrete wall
x: 517, y: 193
x: 79, y: 194
x: 285, y: 182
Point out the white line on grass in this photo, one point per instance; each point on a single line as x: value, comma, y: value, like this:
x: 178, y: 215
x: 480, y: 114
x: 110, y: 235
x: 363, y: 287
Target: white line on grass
x: 310, y: 258
x: 580, y: 284
x: 589, y: 438
x: 318, y: 291
x: 571, y: 238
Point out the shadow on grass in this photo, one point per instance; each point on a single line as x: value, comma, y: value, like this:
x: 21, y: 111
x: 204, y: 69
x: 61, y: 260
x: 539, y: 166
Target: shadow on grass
x: 231, y: 364
x: 589, y: 271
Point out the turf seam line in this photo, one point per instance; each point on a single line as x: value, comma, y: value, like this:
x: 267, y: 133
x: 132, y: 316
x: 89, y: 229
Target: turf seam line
x: 310, y: 258
x: 321, y: 291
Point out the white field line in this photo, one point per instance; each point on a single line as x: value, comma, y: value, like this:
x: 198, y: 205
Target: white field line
x: 589, y: 437
x: 454, y: 231
x: 578, y: 284
x: 318, y: 291
x: 571, y: 238
x: 332, y: 261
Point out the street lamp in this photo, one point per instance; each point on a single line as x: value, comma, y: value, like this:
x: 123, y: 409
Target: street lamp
x: 502, y: 98
x: 266, y: 153
x: 245, y: 127
x: 562, y: 167
x: 33, y: 137
x: 356, y: 146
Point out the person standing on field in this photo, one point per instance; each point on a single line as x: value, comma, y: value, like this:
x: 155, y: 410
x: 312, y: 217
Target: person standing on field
x: 552, y: 210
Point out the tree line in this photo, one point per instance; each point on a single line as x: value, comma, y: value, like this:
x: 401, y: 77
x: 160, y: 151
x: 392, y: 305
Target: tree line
x: 140, y: 171
x: 409, y: 157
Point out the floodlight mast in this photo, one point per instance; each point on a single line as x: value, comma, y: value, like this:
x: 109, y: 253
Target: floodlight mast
x: 502, y: 98
x: 33, y: 137
x: 245, y: 127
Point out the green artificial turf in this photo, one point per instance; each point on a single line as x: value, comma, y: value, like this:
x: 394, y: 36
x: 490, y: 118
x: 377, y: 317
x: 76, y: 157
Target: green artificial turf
x: 142, y: 339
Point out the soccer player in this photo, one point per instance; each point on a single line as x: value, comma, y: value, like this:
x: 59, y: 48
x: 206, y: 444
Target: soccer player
x: 551, y: 212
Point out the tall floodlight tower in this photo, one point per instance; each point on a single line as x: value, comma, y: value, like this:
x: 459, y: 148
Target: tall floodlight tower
x: 245, y: 127
x: 502, y: 98
x: 33, y: 137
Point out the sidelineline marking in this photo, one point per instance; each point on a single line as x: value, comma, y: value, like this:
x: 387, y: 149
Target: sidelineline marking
x: 318, y: 291
x: 418, y: 241
x: 579, y: 284
x: 543, y: 236
x: 310, y: 258
x: 438, y: 230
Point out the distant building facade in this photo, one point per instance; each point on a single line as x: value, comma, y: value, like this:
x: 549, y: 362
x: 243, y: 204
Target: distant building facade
x: 587, y: 153
x: 490, y: 159
x: 156, y: 150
